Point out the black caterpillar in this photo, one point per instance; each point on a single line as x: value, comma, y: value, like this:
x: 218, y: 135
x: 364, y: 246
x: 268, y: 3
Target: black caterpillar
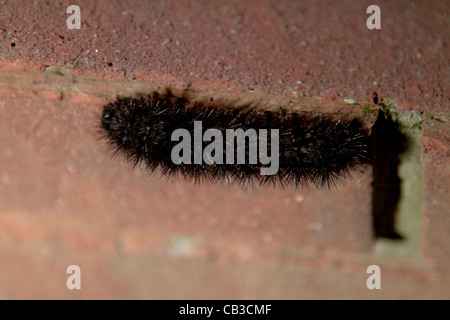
x: 313, y: 150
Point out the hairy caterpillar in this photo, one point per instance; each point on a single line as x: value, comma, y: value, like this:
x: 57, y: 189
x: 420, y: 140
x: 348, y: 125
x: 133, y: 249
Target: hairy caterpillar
x: 312, y: 150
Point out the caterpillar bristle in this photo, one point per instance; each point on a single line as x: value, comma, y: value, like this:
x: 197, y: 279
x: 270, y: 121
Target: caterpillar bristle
x: 313, y: 150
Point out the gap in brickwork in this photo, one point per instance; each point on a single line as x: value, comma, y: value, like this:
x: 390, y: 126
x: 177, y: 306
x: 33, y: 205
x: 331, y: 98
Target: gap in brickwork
x: 397, y: 180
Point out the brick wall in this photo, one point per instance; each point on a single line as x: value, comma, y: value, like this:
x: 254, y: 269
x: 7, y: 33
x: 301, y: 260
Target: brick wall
x: 65, y: 201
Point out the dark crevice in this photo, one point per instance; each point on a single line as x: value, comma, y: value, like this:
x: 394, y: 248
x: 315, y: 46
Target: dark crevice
x: 388, y: 143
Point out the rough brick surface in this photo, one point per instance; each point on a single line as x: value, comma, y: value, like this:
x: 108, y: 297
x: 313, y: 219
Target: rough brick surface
x: 436, y: 155
x: 316, y: 48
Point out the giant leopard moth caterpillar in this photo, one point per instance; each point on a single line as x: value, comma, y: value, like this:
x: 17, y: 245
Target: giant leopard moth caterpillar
x: 312, y: 149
